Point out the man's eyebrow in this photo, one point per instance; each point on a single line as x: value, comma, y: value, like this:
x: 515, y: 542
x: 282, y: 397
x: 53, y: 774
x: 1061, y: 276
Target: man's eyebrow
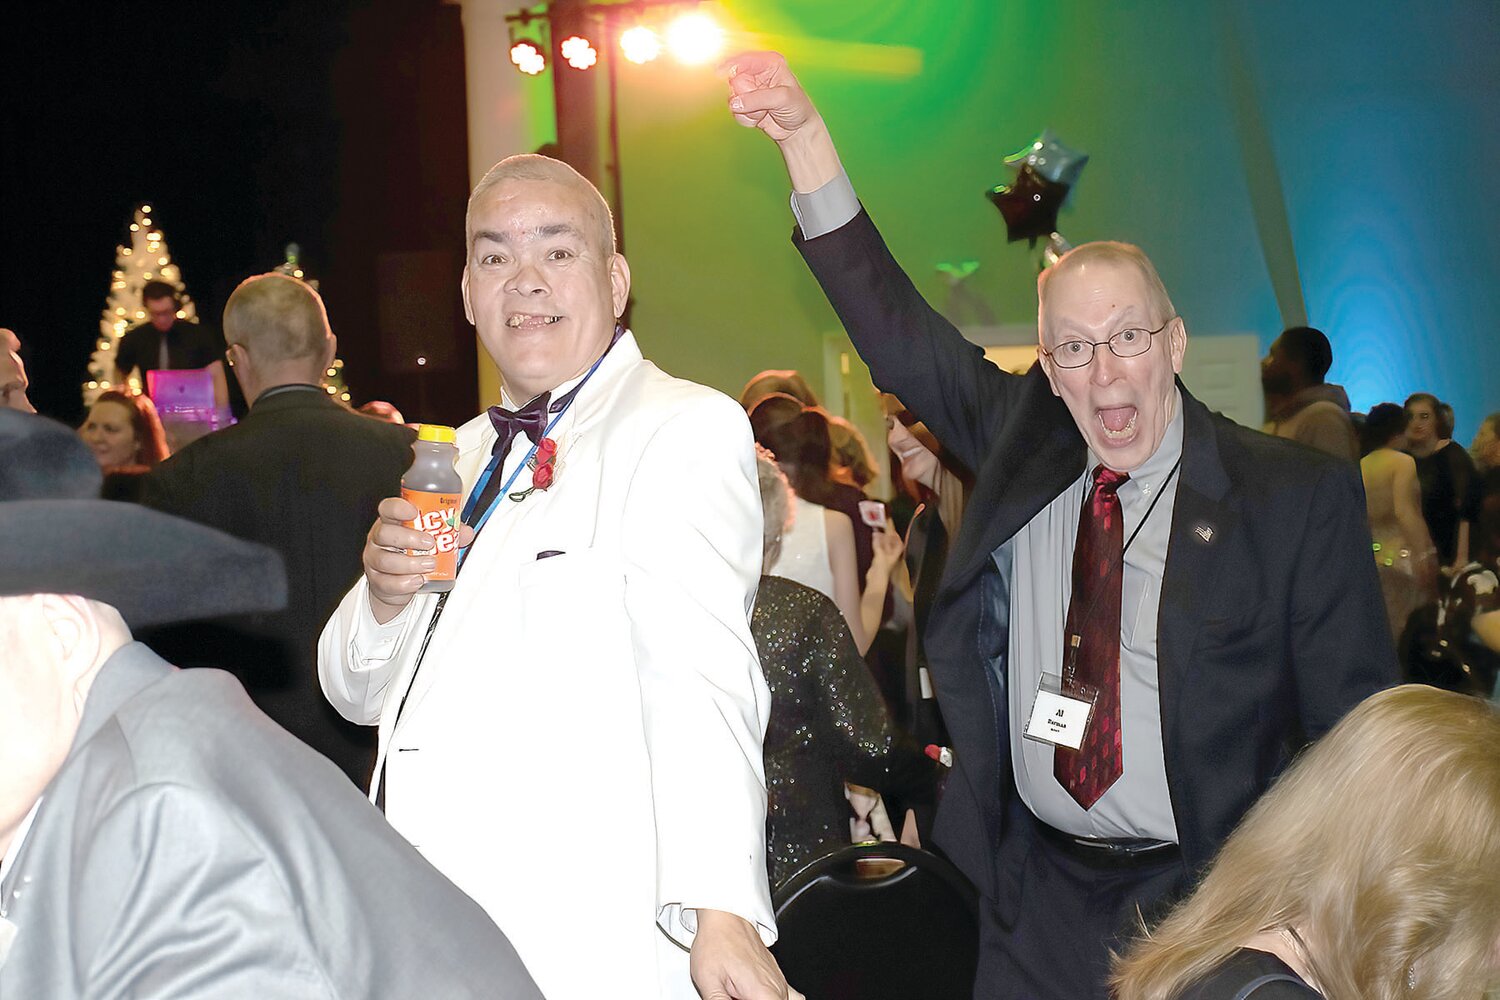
x: 555, y: 229
x: 537, y: 233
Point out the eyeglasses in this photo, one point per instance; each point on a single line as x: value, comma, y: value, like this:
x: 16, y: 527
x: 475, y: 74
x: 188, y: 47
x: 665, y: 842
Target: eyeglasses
x: 1125, y: 344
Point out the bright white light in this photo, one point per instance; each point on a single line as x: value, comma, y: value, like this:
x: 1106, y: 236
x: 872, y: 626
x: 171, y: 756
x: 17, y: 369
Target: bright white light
x: 579, y: 52
x: 695, y: 39
x: 640, y: 44
x: 528, y: 57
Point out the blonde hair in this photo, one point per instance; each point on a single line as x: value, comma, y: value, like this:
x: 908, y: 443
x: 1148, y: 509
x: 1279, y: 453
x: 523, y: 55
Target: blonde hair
x: 276, y: 318
x: 777, y: 380
x: 1382, y: 840
x: 1109, y: 252
x: 535, y: 167
x: 851, y: 451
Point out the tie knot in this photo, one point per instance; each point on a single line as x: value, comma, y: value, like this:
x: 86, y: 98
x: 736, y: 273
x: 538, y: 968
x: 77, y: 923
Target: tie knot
x: 1107, y: 480
x: 530, y: 420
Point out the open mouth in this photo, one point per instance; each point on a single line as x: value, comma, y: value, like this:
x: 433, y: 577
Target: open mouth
x: 529, y: 321
x: 1118, y: 422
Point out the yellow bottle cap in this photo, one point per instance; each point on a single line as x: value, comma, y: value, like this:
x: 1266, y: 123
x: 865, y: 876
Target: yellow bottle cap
x: 436, y: 432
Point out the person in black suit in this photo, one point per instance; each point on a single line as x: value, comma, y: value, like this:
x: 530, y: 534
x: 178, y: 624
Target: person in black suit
x: 1221, y: 608
x: 300, y: 473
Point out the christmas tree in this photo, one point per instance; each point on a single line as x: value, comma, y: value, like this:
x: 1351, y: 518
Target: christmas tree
x: 146, y: 259
x: 333, y: 378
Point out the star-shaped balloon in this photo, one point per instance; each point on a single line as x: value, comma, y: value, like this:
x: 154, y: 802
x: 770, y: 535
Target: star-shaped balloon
x: 1029, y: 205
x: 1050, y: 157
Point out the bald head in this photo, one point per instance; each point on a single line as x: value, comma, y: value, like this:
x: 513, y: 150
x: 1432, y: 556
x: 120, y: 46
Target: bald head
x: 277, y: 319
x: 534, y: 167
x: 1106, y: 253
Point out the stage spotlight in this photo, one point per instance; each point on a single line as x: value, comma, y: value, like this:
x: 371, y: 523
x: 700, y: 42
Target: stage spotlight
x: 579, y: 52
x: 695, y: 39
x: 640, y: 44
x: 528, y: 57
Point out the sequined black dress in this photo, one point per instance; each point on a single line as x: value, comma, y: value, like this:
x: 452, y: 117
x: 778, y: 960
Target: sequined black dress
x: 828, y: 725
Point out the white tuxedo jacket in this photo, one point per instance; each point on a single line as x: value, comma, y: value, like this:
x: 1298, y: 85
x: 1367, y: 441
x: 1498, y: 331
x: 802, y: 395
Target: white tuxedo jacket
x: 581, y: 749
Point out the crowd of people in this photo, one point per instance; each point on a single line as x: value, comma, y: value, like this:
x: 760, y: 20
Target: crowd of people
x: 1134, y: 669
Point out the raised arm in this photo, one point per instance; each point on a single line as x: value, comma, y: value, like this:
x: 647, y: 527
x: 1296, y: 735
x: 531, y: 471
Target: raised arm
x: 911, y: 349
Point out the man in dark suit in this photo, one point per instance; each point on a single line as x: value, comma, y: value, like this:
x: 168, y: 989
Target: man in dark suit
x: 159, y: 836
x: 166, y: 341
x: 1190, y: 601
x: 300, y: 473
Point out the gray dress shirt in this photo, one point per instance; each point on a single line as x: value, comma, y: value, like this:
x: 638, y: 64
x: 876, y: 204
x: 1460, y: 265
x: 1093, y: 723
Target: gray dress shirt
x: 1138, y: 804
x: 1041, y: 554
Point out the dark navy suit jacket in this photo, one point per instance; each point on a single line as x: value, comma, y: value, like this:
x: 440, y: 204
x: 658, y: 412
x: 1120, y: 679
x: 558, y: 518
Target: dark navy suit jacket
x: 1271, y: 623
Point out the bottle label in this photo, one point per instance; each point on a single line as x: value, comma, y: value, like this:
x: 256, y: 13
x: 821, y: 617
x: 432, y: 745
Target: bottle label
x: 437, y: 515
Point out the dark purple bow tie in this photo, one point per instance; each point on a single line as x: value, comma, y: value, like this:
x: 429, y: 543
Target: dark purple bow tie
x: 530, y: 420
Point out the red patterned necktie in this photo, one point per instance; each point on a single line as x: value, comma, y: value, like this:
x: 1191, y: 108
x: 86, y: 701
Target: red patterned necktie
x: 1094, y: 624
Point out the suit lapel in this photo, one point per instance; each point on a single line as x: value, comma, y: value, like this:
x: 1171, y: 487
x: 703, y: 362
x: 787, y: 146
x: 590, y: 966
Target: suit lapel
x: 1034, y: 460
x: 576, y: 433
x: 1204, y: 519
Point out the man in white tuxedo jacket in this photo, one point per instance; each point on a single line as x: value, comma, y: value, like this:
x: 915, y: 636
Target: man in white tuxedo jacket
x: 579, y: 746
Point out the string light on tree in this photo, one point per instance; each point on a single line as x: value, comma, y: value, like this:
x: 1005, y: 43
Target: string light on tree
x: 145, y: 259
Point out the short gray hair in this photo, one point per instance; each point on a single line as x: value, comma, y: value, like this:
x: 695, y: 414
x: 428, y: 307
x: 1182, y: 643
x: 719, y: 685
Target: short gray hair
x: 535, y: 167
x: 775, y: 502
x: 277, y: 317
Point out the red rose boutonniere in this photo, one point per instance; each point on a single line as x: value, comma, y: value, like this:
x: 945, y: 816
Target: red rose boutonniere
x: 543, y: 466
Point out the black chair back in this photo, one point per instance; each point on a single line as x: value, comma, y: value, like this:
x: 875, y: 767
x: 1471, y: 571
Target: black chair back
x: 850, y: 933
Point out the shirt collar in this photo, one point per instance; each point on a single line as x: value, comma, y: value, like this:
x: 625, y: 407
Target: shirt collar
x: 22, y: 830
x: 557, y: 393
x: 1153, y: 472
x: 277, y: 390
x: 561, y: 390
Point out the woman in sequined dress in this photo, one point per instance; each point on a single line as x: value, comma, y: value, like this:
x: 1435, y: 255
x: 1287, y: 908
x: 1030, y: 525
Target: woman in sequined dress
x: 1404, y: 555
x: 828, y: 723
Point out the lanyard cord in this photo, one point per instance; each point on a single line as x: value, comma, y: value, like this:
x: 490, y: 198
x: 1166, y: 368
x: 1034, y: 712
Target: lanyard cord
x: 498, y: 460
x: 1073, y: 640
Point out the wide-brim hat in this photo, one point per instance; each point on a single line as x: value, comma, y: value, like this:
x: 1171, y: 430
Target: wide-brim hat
x: 154, y: 569
x: 40, y: 459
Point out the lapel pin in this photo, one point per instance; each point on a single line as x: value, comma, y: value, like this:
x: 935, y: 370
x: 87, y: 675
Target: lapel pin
x: 1204, y: 531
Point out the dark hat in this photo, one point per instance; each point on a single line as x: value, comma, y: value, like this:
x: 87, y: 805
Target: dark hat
x: 153, y: 568
x: 40, y: 459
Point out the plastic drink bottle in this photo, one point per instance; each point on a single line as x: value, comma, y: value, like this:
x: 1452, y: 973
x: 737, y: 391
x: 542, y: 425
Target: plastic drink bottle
x: 433, y: 486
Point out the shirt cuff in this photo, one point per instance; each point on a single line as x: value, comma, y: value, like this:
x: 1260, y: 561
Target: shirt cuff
x: 373, y: 643
x: 828, y: 208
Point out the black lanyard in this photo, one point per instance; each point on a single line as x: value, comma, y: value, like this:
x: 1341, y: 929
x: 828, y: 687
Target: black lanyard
x: 1070, y: 668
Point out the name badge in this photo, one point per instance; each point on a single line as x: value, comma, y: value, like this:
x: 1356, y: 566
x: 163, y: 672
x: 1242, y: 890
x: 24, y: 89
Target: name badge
x: 1058, y: 718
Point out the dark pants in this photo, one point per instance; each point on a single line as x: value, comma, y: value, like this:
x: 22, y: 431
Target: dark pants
x: 1072, y: 911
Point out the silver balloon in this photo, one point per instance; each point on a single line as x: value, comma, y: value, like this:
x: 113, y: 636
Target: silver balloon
x: 1050, y: 157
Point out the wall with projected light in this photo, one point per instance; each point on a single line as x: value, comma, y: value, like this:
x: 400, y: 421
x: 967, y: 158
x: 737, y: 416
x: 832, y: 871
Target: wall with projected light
x: 1379, y: 126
